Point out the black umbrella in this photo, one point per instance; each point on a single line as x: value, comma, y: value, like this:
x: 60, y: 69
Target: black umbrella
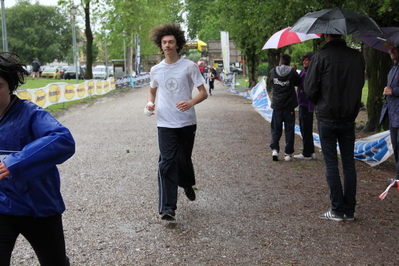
x: 335, y: 21
x: 381, y: 41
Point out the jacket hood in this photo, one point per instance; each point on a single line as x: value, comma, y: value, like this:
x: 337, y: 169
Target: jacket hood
x: 283, y: 70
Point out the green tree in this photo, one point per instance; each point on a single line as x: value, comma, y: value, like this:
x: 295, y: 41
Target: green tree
x: 138, y: 17
x: 37, y: 31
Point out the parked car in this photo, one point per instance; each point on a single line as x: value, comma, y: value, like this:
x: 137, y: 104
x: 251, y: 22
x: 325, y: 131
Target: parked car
x: 99, y: 72
x: 70, y: 73
x: 62, y: 71
x: 51, y: 72
x: 42, y: 68
x: 237, y: 70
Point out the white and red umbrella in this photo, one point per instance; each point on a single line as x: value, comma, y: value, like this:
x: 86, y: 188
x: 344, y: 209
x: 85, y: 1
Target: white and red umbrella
x: 285, y: 37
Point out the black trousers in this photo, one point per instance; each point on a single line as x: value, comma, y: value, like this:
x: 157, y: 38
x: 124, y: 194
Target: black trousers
x: 276, y: 125
x: 45, y: 235
x: 175, y: 167
x: 394, y: 131
x: 342, y: 196
x: 306, y: 127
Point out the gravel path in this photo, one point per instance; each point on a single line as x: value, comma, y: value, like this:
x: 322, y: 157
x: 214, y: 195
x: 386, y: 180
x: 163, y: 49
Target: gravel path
x: 249, y: 210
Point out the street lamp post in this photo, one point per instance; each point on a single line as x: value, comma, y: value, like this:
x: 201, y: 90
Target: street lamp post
x: 105, y: 51
x: 75, y: 61
x: 124, y: 51
x: 4, y: 27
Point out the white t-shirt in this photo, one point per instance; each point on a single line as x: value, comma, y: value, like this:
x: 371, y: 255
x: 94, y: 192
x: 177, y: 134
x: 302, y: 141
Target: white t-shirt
x: 175, y: 83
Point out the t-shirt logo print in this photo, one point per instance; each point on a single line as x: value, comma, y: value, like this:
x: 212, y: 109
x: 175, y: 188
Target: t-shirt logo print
x: 171, y: 85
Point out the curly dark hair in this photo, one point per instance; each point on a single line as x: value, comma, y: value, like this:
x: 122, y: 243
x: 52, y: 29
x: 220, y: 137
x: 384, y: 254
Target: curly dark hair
x: 168, y: 29
x: 12, y: 70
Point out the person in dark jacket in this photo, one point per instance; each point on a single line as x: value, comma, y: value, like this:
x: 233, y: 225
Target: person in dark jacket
x: 334, y: 83
x: 32, y: 143
x: 391, y: 92
x: 305, y: 114
x: 35, y: 69
x: 283, y: 79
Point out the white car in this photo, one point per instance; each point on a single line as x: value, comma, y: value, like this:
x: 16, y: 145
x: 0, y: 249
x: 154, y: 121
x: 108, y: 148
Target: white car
x: 99, y: 72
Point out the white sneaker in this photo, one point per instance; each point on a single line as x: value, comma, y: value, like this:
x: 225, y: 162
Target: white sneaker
x: 287, y: 158
x: 300, y: 156
x: 275, y: 155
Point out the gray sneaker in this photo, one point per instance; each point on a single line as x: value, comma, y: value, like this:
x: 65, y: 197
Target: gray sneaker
x: 331, y: 215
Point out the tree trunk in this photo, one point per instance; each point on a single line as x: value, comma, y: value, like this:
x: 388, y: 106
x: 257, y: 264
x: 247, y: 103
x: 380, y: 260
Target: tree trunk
x: 377, y: 67
x: 253, y: 60
x: 89, y: 43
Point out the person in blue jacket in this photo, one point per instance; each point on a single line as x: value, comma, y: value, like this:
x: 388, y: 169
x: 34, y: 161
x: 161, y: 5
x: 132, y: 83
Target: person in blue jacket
x: 32, y: 143
x: 391, y: 92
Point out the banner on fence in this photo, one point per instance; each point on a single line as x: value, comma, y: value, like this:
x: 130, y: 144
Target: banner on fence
x: 61, y: 92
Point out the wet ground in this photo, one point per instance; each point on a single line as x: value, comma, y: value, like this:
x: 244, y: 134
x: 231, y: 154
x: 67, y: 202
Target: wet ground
x: 249, y: 209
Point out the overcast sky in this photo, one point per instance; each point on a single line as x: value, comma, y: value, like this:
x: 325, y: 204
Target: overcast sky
x: 10, y: 3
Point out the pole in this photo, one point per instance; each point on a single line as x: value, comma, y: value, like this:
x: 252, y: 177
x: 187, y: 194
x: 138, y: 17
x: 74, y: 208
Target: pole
x: 105, y: 52
x: 75, y: 61
x: 124, y: 52
x: 4, y: 27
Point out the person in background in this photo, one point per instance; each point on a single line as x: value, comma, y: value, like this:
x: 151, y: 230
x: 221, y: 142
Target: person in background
x: 33, y: 143
x: 173, y: 81
x: 201, y: 69
x: 391, y: 93
x: 205, y: 72
x: 214, y: 73
x: 305, y: 114
x: 334, y: 83
x: 283, y: 80
x: 211, y: 79
x: 35, y: 69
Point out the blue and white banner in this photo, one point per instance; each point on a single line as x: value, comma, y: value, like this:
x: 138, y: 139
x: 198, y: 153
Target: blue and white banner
x: 372, y: 150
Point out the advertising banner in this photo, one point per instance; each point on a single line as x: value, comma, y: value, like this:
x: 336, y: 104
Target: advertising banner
x: 224, y: 41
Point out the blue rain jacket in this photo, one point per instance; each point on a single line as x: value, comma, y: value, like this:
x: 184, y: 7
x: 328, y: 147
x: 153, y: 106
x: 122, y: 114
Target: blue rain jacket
x: 33, y: 189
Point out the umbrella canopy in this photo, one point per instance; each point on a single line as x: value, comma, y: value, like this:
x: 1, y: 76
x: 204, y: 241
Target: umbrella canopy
x: 285, y: 37
x: 201, y: 45
x: 381, y: 41
x: 335, y: 21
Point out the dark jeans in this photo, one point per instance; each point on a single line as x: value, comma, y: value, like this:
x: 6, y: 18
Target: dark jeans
x: 394, y: 131
x: 278, y: 118
x: 343, y: 199
x: 211, y: 85
x: 175, y: 164
x: 45, y: 235
x: 306, y: 126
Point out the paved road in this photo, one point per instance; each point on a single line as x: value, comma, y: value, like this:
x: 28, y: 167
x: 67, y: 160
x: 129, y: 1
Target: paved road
x: 249, y: 210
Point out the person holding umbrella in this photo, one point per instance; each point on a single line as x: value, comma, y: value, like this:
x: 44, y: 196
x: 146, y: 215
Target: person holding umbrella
x: 391, y: 92
x: 334, y: 83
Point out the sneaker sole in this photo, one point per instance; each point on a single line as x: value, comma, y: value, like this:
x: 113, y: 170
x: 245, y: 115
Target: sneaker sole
x: 331, y: 219
x: 168, y: 217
